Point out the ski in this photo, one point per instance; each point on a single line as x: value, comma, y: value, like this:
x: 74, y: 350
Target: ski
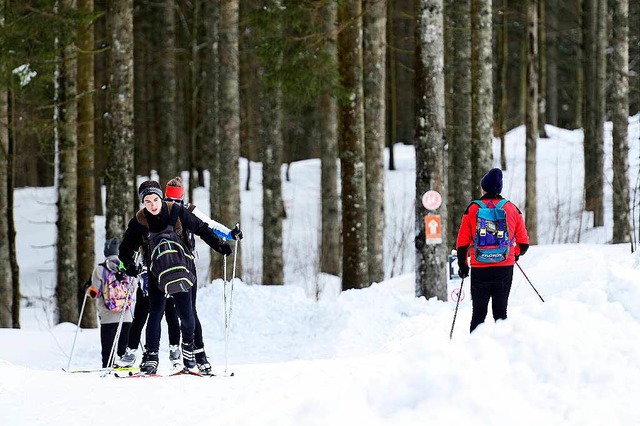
x: 101, y: 370
x: 142, y: 374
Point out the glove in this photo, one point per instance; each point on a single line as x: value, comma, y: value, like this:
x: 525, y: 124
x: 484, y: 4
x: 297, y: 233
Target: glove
x: 463, y: 271
x: 517, y: 257
x: 92, y: 292
x: 133, y: 270
x: 224, y: 249
x: 236, y: 233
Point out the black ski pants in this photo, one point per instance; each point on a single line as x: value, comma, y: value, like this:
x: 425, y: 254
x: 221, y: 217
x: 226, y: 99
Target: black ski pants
x: 140, y: 315
x: 492, y: 283
x: 184, y: 308
x: 108, y: 335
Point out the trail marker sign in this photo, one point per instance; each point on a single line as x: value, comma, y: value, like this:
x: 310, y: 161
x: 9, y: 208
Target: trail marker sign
x: 431, y: 200
x: 433, y: 229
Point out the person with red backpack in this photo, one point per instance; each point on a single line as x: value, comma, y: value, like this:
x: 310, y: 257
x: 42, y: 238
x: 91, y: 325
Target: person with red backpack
x: 114, y: 293
x: 159, y: 228
x: 493, y: 234
x: 174, y: 191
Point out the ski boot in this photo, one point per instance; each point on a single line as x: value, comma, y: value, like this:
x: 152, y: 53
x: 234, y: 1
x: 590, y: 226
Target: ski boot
x: 202, y: 362
x: 127, y: 359
x: 188, y: 357
x: 174, y: 356
x: 150, y: 362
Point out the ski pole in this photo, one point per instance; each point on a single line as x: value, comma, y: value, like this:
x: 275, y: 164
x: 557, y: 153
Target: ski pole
x: 73, y: 346
x: 527, y: 278
x: 228, y: 306
x: 455, y: 314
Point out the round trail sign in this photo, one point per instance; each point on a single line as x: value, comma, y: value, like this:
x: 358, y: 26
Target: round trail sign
x: 431, y: 200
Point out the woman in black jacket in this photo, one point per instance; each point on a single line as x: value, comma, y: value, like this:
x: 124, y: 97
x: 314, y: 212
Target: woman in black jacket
x: 153, y: 218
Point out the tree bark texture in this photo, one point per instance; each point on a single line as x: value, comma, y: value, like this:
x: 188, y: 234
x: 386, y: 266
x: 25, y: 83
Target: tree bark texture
x: 229, y: 104
x: 431, y: 260
x: 211, y: 139
x: 552, y: 63
x: 459, y: 158
x: 531, y: 210
x: 6, y: 287
x: 593, y: 109
x: 351, y: 146
x: 143, y: 116
x: 503, y: 59
x: 620, y: 118
x: 272, y: 145
x: 119, y: 173
x: 542, y: 69
x: 86, y: 163
x: 330, y: 230
x: 482, y: 92
x: 6, y: 283
x: 66, y: 247
x: 166, y: 112
x: 374, y: 57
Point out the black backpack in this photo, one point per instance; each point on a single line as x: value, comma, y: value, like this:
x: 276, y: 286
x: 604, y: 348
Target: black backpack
x: 170, y: 260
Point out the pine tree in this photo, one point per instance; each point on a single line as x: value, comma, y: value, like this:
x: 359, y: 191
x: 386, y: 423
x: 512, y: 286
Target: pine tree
x: 351, y: 147
x: 119, y: 137
x: 531, y: 122
x: 431, y: 277
x: 229, y: 121
x: 330, y: 230
x: 482, y: 90
x: 86, y: 163
x: 66, y: 246
x: 620, y: 114
x: 374, y: 58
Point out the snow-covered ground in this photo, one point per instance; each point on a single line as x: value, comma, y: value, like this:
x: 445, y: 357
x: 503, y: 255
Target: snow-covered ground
x: 377, y: 356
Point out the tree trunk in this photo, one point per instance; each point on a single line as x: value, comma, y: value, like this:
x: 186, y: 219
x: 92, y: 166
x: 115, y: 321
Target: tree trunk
x: 66, y: 246
x: 392, y: 84
x: 272, y: 204
x: 552, y: 63
x: 166, y: 111
x: 11, y: 228
x: 120, y: 178
x: 482, y: 92
x: 581, y: 68
x: 330, y: 232
x: 542, y: 69
x: 374, y: 37
x: 6, y: 284
x: 142, y: 116
x: 86, y: 166
x: 531, y: 211
x: 211, y: 139
x: 460, y: 174
x: 593, y: 112
x: 229, y: 104
x: 351, y: 147
x: 601, y: 78
x: 503, y: 60
x: 620, y: 117
x: 431, y: 259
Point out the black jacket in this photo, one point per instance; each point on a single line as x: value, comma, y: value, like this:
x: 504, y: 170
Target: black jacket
x: 134, y: 235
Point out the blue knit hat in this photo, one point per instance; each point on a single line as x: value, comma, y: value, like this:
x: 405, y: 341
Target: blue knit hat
x: 492, y: 181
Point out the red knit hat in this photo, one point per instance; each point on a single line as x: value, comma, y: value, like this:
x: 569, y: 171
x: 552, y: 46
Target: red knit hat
x: 174, y: 192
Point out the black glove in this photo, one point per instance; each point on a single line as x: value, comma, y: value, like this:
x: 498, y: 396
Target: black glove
x: 133, y: 270
x: 224, y: 249
x: 463, y: 271
x: 236, y: 233
x: 517, y: 257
